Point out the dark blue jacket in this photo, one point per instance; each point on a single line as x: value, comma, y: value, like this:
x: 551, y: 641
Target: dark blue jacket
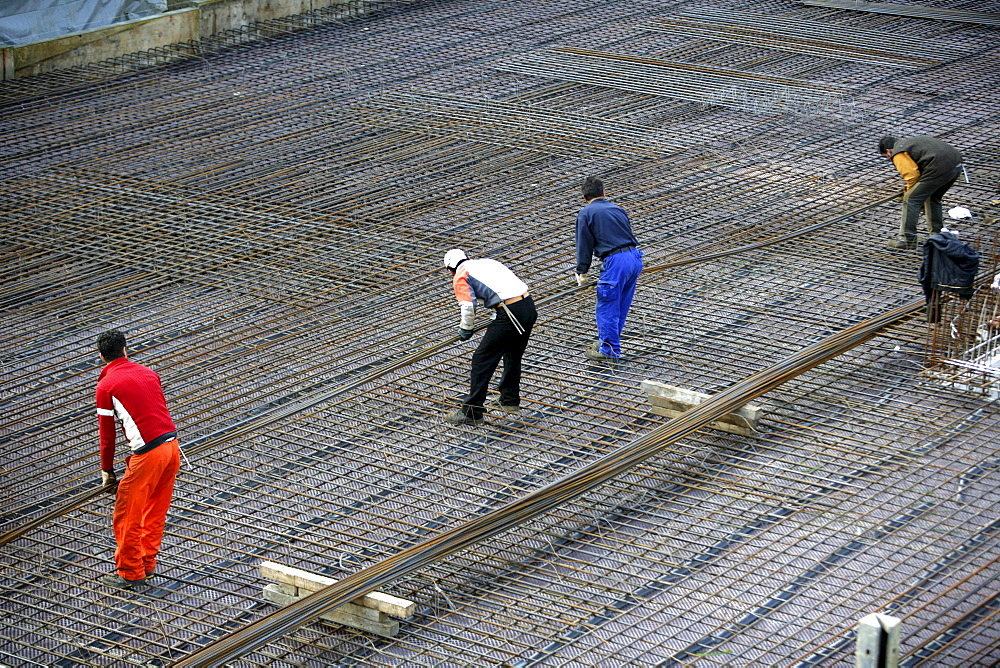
x: 949, y: 265
x: 601, y: 227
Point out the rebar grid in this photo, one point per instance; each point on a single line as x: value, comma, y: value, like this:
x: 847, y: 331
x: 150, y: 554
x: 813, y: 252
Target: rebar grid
x: 933, y: 13
x: 297, y: 194
x: 802, y: 37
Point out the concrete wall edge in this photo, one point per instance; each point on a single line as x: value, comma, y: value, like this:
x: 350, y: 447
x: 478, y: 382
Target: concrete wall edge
x: 188, y: 24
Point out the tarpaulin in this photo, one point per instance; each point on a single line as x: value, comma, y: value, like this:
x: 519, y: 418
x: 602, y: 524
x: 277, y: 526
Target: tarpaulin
x: 23, y: 21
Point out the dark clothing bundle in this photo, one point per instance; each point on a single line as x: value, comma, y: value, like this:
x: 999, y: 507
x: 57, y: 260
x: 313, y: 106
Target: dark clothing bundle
x: 949, y: 265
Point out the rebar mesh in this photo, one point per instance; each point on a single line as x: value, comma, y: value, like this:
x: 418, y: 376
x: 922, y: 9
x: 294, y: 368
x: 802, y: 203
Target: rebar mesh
x: 265, y: 218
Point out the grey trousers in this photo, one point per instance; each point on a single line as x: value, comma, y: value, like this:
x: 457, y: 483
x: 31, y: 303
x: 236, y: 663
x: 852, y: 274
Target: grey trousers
x: 926, y: 194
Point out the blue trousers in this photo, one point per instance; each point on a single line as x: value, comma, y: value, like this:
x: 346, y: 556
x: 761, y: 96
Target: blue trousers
x: 615, y: 290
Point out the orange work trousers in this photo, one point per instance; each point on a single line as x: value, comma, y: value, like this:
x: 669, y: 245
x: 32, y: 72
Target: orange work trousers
x: 144, y: 495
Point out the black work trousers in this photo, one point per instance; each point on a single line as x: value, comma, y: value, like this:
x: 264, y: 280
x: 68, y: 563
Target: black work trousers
x: 501, y: 341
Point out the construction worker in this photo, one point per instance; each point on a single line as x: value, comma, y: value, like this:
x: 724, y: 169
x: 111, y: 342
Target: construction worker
x: 505, y: 338
x: 131, y: 394
x: 603, y: 229
x: 930, y: 167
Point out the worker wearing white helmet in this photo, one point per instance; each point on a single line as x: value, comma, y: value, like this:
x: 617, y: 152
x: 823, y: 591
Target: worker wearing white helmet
x: 506, y: 337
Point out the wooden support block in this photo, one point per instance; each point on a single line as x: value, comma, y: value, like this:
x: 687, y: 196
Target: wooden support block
x: 291, y: 590
x: 877, y: 642
x: 384, y: 626
x: 294, y: 576
x: 671, y: 401
x: 308, y: 582
x: 350, y: 608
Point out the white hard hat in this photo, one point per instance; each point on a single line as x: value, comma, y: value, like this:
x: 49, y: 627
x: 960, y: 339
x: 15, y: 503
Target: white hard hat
x: 453, y: 257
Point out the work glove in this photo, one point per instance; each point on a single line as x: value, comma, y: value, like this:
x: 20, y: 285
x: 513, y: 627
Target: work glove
x: 901, y: 194
x: 109, y: 482
x: 465, y: 334
x: 581, y: 279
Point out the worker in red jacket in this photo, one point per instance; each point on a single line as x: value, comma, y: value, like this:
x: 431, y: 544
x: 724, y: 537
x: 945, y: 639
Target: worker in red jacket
x: 130, y: 394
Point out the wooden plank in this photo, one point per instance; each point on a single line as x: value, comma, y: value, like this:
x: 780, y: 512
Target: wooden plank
x: 294, y: 576
x: 350, y: 608
x: 310, y: 582
x: 727, y: 427
x: 671, y: 401
x: 677, y: 407
x: 387, y: 628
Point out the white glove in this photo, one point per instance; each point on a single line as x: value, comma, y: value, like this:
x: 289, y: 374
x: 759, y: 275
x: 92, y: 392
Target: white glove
x: 581, y: 279
x: 109, y: 481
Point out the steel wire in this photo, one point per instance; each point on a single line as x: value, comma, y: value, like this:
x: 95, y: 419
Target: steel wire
x: 353, y: 586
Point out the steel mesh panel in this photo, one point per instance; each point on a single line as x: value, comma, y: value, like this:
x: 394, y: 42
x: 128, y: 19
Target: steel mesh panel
x: 297, y: 193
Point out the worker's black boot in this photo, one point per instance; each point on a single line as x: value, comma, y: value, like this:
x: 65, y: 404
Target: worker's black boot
x: 903, y: 243
x: 118, y: 582
x: 461, y: 417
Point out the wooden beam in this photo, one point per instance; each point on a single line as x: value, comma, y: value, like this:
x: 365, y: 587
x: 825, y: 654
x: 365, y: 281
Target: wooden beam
x: 309, y: 582
x: 385, y: 627
x: 350, y: 608
x: 671, y: 401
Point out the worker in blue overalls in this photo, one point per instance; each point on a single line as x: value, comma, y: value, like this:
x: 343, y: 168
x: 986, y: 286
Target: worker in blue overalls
x: 603, y: 229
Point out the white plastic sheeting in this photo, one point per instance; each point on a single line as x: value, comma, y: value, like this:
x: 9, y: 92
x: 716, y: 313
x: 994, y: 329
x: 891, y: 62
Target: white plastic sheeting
x: 23, y: 21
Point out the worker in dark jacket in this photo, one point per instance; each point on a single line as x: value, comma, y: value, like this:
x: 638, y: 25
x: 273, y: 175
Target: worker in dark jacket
x: 603, y: 229
x: 949, y: 265
x: 930, y: 167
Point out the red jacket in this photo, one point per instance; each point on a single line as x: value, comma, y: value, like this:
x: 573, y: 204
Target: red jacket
x: 131, y: 393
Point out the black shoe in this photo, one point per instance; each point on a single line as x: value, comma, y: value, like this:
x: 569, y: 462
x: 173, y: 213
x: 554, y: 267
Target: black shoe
x: 902, y: 243
x: 118, y: 582
x: 461, y: 417
x: 510, y: 408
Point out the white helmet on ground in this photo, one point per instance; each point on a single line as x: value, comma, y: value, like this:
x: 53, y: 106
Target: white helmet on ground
x: 453, y: 257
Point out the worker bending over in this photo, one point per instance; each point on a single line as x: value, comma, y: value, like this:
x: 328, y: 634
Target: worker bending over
x: 131, y: 394
x: 603, y: 229
x: 506, y: 336
x: 930, y: 167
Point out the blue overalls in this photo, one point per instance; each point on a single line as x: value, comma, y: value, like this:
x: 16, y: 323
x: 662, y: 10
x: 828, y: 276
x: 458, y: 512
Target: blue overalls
x: 615, y: 290
x: 603, y: 229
